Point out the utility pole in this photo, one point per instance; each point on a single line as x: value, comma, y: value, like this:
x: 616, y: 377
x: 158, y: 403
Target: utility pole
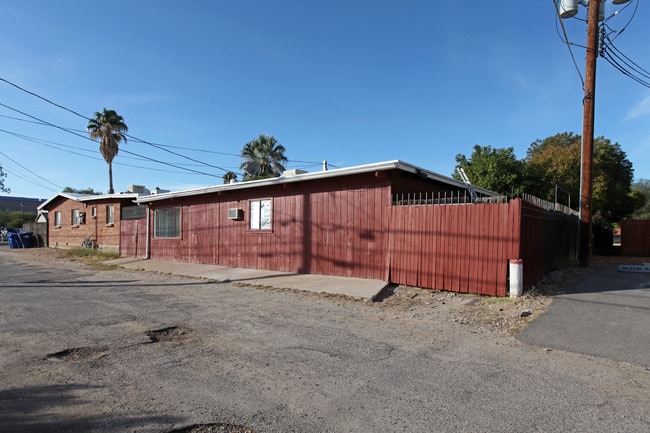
x: 587, y: 152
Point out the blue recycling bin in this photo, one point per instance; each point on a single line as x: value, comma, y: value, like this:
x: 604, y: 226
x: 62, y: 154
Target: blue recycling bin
x: 14, y: 240
x: 20, y: 239
x: 27, y: 239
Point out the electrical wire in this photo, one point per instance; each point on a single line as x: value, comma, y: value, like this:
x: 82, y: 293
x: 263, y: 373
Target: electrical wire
x: 176, y: 153
x: 87, y: 119
x: 622, y: 57
x: 65, y: 148
x: 622, y: 62
x: 27, y: 179
x: 636, y: 7
x: 44, y: 99
x: 624, y: 71
x: 123, y: 150
x: 566, y: 40
x: 21, y: 120
x: 133, y: 138
x: 27, y: 169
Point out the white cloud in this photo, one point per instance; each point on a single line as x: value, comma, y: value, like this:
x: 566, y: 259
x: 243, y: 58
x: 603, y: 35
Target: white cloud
x: 642, y: 108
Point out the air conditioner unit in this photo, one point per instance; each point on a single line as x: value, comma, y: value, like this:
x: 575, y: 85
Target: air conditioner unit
x: 235, y: 214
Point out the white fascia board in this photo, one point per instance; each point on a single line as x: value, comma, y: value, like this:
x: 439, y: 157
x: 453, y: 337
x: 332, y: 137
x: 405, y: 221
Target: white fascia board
x: 68, y: 195
x: 367, y: 168
x: 109, y: 197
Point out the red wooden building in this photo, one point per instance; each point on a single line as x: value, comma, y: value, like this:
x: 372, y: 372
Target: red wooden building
x: 341, y: 222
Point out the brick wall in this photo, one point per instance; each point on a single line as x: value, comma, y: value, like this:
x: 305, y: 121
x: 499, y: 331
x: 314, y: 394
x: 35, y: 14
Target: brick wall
x: 67, y: 235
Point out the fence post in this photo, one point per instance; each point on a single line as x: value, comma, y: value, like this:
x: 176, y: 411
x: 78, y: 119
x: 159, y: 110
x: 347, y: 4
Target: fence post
x: 516, y: 278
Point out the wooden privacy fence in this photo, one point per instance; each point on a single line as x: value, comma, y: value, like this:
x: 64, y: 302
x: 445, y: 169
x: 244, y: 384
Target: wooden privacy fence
x: 467, y: 247
x: 635, y: 238
x: 549, y: 238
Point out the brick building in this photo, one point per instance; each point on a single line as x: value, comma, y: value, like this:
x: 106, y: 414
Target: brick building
x: 77, y: 218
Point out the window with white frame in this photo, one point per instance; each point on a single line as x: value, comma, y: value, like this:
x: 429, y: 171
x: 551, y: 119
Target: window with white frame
x: 94, y: 212
x: 260, y: 214
x: 74, y: 217
x: 57, y: 219
x: 110, y: 214
x: 167, y: 222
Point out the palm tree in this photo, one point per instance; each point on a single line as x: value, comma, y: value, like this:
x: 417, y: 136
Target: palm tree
x: 110, y: 129
x: 268, y: 153
x: 230, y: 175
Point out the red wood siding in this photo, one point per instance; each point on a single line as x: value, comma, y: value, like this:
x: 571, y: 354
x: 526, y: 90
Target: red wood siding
x: 133, y: 238
x: 330, y: 228
x: 635, y: 238
x: 461, y: 248
x: 348, y: 227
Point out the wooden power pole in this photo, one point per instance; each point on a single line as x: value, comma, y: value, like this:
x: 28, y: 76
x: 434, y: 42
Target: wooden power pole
x: 586, y: 172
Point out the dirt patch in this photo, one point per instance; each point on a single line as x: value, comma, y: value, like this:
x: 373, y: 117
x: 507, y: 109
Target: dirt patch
x: 502, y: 315
x: 213, y: 428
x: 79, y: 354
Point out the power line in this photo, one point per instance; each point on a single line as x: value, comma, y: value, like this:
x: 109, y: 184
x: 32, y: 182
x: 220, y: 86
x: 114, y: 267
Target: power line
x: 21, y: 120
x: 176, y: 153
x: 133, y: 138
x: 28, y: 180
x: 87, y: 119
x: 566, y: 40
x: 88, y: 138
x: 621, y: 62
x: 64, y: 148
x: 41, y: 97
x: 27, y: 169
x: 636, y: 7
x: 622, y: 57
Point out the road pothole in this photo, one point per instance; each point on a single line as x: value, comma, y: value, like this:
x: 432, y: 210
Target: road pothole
x: 80, y: 354
x: 171, y: 333
x: 213, y: 428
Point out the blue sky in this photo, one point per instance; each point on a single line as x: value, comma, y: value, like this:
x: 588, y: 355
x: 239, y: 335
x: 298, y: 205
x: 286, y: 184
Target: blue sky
x: 351, y: 82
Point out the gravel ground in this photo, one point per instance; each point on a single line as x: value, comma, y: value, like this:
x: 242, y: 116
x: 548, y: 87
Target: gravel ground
x: 90, y: 348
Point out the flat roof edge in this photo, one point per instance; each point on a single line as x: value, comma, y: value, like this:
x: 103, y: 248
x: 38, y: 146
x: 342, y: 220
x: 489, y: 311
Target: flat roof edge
x: 346, y: 171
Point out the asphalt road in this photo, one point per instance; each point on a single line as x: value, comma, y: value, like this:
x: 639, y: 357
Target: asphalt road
x: 77, y: 355
x: 605, y: 314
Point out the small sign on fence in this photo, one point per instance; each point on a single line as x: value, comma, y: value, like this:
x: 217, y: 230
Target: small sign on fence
x: 634, y: 268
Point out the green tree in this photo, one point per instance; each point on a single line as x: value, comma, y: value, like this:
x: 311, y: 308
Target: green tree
x: 641, y: 190
x: 3, y: 176
x: 554, y: 165
x: 556, y: 161
x: 613, y: 176
x: 268, y: 153
x: 496, y: 169
x: 109, y: 128
x: 15, y: 219
x: 88, y: 191
x: 230, y: 175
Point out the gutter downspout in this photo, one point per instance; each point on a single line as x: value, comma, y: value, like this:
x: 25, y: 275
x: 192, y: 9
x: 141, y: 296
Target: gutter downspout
x: 147, y: 244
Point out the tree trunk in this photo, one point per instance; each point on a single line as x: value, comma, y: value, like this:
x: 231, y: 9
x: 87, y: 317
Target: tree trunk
x: 110, y: 179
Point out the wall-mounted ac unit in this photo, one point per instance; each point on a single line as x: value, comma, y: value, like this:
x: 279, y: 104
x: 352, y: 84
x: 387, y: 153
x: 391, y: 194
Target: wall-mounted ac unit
x: 235, y: 214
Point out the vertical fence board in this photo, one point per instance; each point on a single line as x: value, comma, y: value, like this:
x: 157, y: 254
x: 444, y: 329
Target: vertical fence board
x: 428, y: 248
x: 467, y: 247
x: 473, y: 234
x: 635, y: 238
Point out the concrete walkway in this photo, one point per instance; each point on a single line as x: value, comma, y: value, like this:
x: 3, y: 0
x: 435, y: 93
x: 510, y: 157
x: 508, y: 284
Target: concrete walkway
x: 359, y: 288
x: 605, y: 314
